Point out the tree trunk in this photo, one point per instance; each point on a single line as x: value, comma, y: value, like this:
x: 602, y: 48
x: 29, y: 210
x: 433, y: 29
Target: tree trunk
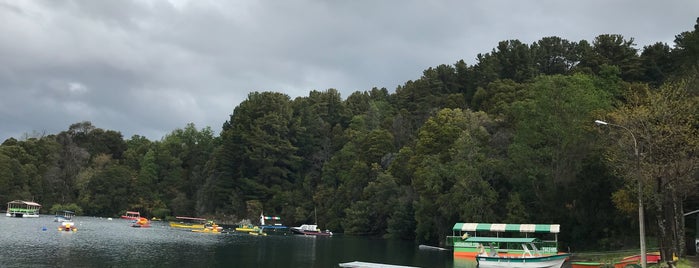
x: 670, y: 220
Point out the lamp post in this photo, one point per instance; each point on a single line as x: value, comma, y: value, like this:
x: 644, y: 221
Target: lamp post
x: 641, y: 224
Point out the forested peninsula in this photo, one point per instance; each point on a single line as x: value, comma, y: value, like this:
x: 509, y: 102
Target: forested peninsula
x: 511, y: 139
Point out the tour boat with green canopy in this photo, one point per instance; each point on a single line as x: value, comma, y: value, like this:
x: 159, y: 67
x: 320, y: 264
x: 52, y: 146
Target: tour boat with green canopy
x: 23, y: 209
x: 463, y: 248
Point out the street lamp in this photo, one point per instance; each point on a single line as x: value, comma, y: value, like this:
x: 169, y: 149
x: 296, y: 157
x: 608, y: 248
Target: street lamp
x: 641, y: 224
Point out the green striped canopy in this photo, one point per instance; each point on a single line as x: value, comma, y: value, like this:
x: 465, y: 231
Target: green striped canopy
x: 506, y: 227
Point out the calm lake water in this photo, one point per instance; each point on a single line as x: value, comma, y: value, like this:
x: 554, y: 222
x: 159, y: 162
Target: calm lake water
x: 113, y: 243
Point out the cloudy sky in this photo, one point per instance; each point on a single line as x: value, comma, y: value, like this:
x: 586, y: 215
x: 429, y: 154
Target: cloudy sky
x: 147, y: 67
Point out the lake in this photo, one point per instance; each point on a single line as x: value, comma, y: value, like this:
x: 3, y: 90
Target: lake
x: 99, y: 242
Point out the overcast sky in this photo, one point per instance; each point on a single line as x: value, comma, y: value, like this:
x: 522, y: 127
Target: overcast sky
x: 149, y: 67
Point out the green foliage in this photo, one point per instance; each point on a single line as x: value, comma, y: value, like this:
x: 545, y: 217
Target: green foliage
x: 401, y: 222
x: 496, y: 98
x: 56, y: 208
x: 108, y: 192
x: 613, y: 50
x: 657, y: 64
x: 686, y: 53
x: 370, y: 214
x: 663, y: 126
x: 161, y: 213
x: 448, y: 161
x: 554, y: 55
x: 550, y: 138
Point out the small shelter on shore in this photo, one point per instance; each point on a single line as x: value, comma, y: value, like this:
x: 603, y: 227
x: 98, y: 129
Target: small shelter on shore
x: 23, y: 209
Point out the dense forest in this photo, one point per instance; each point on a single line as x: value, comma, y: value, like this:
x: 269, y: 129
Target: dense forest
x: 509, y: 139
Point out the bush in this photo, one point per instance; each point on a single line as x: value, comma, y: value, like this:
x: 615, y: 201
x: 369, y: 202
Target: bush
x: 72, y: 207
x: 161, y: 213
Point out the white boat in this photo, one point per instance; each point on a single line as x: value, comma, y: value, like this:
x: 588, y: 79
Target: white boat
x: 63, y: 216
x: 552, y: 261
x: 530, y: 258
x: 310, y: 229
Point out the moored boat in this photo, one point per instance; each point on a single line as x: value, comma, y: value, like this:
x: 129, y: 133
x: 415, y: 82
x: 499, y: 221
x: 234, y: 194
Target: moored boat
x: 463, y: 231
x: 651, y: 257
x: 247, y: 228
x: 530, y: 258
x: 23, y: 209
x: 188, y: 223
x: 310, y: 229
x: 258, y: 233
x: 551, y: 261
x: 209, y: 227
x: 581, y: 264
x: 273, y: 225
x: 627, y: 263
x: 64, y: 215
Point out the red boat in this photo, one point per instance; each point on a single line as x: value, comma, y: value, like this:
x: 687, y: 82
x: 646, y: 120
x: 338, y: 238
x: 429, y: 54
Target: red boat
x: 131, y: 215
x: 651, y: 257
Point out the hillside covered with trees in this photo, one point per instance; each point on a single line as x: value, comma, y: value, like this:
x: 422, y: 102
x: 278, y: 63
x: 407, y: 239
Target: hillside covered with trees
x: 510, y: 139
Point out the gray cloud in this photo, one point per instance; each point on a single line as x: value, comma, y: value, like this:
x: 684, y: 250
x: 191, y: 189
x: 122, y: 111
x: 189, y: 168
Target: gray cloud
x: 149, y: 67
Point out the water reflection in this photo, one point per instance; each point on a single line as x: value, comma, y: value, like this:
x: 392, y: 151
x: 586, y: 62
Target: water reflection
x: 113, y: 243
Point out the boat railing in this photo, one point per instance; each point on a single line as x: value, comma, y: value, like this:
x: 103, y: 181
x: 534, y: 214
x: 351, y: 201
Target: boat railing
x: 458, y: 241
x: 23, y: 210
x: 548, y: 247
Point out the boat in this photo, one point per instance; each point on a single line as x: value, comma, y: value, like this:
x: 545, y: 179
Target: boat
x: 206, y: 230
x: 310, y: 229
x: 651, y: 257
x: 247, y: 228
x: 627, y: 263
x: 551, y: 261
x: 209, y: 227
x: 530, y: 258
x: 131, y: 215
x: 428, y: 247
x: 22, y: 209
x: 582, y: 264
x: 62, y: 216
x: 464, y: 249
x: 140, y: 223
x: 360, y: 264
x: 188, y: 223
x: 272, y: 225
x: 259, y: 233
x: 67, y: 226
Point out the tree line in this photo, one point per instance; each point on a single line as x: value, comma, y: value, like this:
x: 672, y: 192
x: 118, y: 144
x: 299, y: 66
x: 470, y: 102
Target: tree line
x: 509, y: 139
